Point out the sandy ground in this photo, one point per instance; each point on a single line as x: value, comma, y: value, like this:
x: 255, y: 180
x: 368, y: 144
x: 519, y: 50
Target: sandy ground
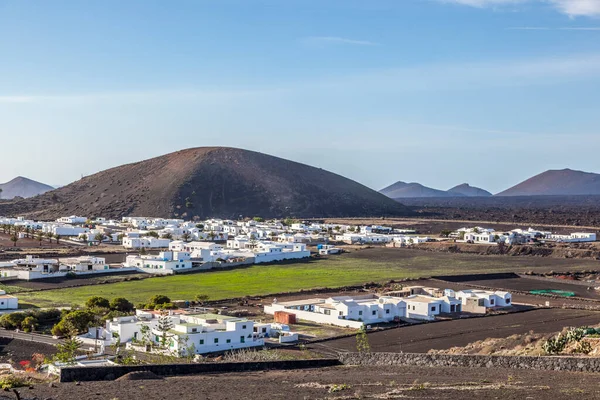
x: 351, y: 383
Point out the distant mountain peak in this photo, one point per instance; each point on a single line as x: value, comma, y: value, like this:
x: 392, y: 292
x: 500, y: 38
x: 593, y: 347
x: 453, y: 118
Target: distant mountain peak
x: 557, y: 182
x: 22, y: 187
x: 464, y: 189
x: 402, y: 189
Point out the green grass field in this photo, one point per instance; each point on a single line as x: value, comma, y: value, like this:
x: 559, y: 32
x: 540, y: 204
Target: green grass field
x: 372, y: 265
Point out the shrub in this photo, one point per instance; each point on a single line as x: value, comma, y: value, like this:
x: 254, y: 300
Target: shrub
x: 121, y: 304
x: 12, y: 320
x: 97, y: 302
x: 12, y: 381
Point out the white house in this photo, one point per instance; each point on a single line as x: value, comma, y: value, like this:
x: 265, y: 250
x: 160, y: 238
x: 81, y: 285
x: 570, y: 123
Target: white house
x: 147, y: 242
x: 575, y: 237
x: 167, y: 262
x: 423, y: 307
x: 8, y: 302
x: 85, y: 263
x: 488, y: 299
x: 209, y: 333
x: 73, y: 219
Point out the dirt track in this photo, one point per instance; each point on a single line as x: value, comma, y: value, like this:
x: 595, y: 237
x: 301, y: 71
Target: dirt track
x: 356, y: 382
x: 447, y: 334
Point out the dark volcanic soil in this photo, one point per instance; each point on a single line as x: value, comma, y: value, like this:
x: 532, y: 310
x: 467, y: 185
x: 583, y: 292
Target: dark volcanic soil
x: 20, y: 350
x: 446, y: 334
x: 559, y: 210
x: 354, y: 383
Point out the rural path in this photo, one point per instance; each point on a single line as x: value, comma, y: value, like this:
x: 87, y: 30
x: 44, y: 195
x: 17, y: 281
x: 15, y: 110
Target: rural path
x: 31, y: 337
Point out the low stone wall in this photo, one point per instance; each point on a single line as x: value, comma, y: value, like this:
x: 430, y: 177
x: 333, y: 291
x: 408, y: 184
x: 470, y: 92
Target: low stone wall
x: 72, y: 374
x: 551, y: 363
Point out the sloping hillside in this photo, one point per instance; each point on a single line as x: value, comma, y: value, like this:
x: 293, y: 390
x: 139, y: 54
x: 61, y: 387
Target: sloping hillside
x: 565, y: 182
x: 22, y: 187
x: 467, y: 190
x: 211, y: 181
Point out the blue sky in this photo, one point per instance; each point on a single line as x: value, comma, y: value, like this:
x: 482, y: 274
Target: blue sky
x: 441, y: 92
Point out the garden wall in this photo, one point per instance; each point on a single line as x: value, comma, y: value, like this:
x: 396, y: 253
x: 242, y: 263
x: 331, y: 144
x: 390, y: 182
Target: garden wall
x: 72, y: 374
x: 552, y: 363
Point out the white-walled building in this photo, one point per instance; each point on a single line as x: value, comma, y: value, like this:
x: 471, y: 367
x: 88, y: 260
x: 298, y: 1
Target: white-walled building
x: 575, y: 237
x: 146, y: 242
x: 8, y: 302
x: 167, y: 262
x: 73, y: 219
x: 85, y: 263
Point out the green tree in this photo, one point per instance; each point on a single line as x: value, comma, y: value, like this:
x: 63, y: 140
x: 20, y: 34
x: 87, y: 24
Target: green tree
x: 97, y: 302
x: 66, y: 352
x: 186, y: 237
x: 258, y: 219
x: 13, y: 320
x: 57, y: 237
x: 121, y: 304
x: 362, y: 341
x: 14, y: 238
x: 159, y: 299
x: 99, y: 238
x: 29, y: 324
x: 201, y: 298
x: 79, y: 320
x: 84, y: 237
x: 165, y: 324
x: 49, y: 236
x: 167, y: 235
x: 39, y: 235
x: 153, y: 234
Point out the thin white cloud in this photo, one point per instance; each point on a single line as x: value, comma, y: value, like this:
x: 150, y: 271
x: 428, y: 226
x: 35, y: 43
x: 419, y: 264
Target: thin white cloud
x: 572, y: 8
x: 541, y: 28
x: 579, y: 29
x: 149, y: 96
x: 528, y: 28
x: 336, y: 40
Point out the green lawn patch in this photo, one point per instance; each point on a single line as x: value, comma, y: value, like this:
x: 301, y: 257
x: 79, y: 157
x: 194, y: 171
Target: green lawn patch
x: 371, y: 265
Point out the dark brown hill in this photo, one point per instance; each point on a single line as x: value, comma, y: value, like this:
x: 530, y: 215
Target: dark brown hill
x: 22, y: 187
x: 564, y: 182
x: 467, y: 190
x: 210, y: 181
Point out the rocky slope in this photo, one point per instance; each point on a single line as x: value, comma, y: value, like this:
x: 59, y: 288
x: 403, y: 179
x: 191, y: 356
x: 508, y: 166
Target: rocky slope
x: 210, y: 182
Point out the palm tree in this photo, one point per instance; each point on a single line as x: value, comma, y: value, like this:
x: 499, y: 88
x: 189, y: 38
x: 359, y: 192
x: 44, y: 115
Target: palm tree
x: 57, y: 237
x: 27, y: 232
x: 186, y: 237
x: 14, y: 238
x: 84, y: 237
x: 99, y: 238
x: 50, y: 235
x: 39, y: 235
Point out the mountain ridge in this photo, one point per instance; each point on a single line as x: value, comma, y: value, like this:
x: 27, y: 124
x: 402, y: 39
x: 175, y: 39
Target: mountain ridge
x: 402, y: 189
